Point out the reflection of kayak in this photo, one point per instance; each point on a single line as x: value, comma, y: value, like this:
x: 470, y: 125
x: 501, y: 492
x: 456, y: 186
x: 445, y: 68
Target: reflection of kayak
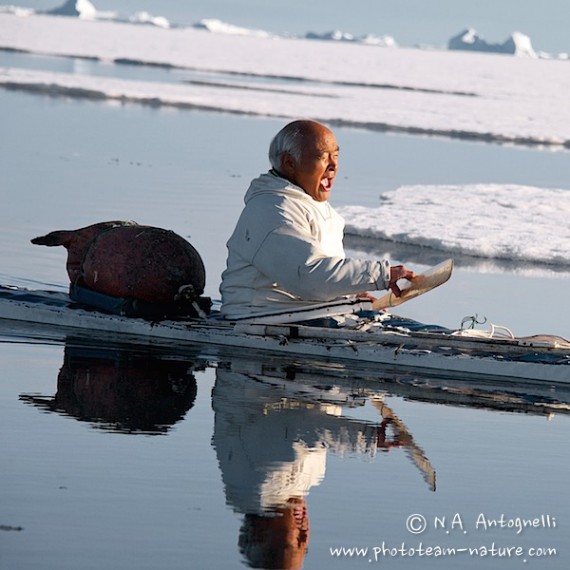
x: 348, y: 384
x: 390, y: 342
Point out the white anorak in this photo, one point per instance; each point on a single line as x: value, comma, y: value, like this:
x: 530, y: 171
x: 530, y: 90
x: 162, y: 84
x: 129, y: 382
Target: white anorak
x: 287, y: 252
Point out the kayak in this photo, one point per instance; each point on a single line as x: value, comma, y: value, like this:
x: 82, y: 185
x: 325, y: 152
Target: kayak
x: 385, y: 340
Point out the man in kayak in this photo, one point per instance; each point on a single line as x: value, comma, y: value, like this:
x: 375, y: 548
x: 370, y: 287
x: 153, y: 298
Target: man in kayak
x: 286, y: 252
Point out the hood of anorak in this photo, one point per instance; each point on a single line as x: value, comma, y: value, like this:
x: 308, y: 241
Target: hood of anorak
x: 270, y: 183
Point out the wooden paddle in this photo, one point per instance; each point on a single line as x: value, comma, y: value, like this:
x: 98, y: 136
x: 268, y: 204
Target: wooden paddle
x: 421, y: 284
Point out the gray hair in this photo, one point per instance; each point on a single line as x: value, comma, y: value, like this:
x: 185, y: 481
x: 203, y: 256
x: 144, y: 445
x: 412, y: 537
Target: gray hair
x: 288, y: 140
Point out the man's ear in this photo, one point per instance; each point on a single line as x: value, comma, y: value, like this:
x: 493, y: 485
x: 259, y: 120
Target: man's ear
x: 288, y: 164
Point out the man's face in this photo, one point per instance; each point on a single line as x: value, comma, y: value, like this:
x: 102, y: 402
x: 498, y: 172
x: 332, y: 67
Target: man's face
x: 316, y: 169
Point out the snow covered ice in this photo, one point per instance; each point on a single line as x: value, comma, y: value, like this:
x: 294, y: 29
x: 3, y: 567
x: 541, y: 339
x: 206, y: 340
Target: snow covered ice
x: 498, y: 221
x: 464, y: 95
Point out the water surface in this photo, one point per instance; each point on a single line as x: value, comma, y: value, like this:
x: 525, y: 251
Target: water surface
x: 134, y: 459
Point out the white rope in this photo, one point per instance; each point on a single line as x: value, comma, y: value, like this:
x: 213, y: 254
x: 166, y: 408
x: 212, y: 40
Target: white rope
x: 494, y: 331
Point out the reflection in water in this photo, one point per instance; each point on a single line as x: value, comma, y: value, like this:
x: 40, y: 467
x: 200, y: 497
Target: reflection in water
x: 121, y: 391
x: 272, y: 434
x: 274, y: 424
x: 278, y: 538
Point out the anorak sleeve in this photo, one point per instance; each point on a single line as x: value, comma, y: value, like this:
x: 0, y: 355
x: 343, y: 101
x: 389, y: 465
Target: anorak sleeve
x: 292, y: 257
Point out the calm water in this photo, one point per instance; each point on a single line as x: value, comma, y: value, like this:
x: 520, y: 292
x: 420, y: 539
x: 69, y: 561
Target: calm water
x: 70, y: 163
x: 132, y: 460
x: 127, y: 459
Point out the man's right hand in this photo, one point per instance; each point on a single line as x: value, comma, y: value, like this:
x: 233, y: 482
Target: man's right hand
x: 398, y: 272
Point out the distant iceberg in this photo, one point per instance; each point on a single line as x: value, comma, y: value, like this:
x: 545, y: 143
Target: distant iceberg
x: 335, y: 35
x: 517, y: 43
x: 373, y: 40
x: 338, y: 36
x: 469, y: 40
x: 78, y: 8
x: 16, y: 10
x: 146, y: 18
x: 219, y: 27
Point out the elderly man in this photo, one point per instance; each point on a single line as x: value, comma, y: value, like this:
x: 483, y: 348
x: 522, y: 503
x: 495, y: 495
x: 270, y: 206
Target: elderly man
x: 286, y: 252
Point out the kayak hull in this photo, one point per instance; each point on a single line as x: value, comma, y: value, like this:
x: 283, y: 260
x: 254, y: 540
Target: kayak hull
x: 510, y: 360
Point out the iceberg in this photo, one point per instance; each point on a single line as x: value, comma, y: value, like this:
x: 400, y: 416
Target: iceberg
x: 335, y: 35
x: 339, y: 36
x: 219, y: 27
x: 146, y: 18
x: 519, y: 44
x: 77, y: 8
x: 469, y: 40
x: 16, y: 11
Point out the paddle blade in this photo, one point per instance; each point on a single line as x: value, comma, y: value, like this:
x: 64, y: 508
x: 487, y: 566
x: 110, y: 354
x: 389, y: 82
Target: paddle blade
x: 421, y: 284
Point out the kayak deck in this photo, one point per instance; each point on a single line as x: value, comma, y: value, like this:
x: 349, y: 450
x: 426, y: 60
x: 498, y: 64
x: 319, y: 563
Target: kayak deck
x: 392, y: 341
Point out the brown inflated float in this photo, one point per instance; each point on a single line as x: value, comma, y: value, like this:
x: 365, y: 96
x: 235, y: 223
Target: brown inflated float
x: 127, y: 260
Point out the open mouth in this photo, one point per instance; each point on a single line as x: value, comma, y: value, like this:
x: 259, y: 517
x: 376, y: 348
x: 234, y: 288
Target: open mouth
x: 326, y: 184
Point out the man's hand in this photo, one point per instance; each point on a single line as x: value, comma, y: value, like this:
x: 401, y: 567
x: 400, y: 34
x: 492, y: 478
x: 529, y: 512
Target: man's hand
x: 398, y: 272
x: 367, y: 296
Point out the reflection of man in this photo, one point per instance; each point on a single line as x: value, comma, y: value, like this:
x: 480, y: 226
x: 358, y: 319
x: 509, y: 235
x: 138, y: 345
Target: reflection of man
x: 272, y: 450
x: 286, y: 251
x: 278, y: 538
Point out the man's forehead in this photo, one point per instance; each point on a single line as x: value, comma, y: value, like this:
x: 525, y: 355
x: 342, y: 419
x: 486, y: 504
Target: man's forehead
x: 330, y: 146
x: 325, y: 141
